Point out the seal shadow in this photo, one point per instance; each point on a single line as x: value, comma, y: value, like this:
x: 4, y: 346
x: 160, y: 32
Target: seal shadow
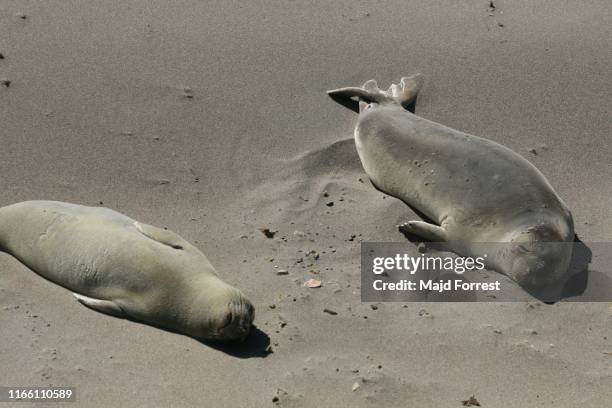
x: 578, y: 272
x: 256, y: 344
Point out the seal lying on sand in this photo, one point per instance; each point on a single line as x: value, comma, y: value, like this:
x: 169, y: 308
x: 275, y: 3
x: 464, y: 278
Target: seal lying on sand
x: 121, y: 267
x: 472, y: 190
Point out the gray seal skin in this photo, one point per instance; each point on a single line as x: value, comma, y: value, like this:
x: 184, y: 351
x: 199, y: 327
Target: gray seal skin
x: 472, y: 190
x: 124, y: 268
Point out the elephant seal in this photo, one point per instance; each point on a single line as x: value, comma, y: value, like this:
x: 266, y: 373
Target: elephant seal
x: 121, y: 267
x: 472, y: 190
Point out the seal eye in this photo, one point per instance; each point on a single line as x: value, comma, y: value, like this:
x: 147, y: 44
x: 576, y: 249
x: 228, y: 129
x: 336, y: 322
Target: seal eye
x: 226, y: 320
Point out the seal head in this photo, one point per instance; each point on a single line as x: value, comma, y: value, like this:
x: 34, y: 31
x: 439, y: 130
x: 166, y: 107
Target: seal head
x: 221, y: 313
x: 537, y: 257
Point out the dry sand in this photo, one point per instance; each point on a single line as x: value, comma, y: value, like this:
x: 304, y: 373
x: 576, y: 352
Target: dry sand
x: 211, y: 118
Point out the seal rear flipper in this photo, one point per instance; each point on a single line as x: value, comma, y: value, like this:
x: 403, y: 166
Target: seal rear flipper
x: 355, y: 98
x: 104, y: 306
x: 425, y: 230
x: 344, y: 96
x: 160, y: 235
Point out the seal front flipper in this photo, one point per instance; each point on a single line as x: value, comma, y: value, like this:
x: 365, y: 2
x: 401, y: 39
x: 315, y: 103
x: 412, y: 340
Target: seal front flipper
x: 104, y: 306
x: 160, y: 235
x: 425, y: 230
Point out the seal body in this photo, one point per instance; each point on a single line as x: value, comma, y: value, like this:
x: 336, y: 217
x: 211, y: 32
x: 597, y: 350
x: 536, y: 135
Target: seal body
x: 121, y: 267
x: 470, y: 189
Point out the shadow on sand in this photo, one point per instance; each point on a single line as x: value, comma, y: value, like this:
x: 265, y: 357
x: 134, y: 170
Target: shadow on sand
x: 256, y: 344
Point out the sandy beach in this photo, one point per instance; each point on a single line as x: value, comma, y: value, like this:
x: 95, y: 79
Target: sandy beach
x: 212, y: 119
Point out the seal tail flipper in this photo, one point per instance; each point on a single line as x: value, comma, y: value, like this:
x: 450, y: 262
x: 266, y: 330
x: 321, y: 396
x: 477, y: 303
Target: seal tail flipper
x: 105, y: 306
x: 425, y: 230
x: 405, y: 93
x: 344, y: 96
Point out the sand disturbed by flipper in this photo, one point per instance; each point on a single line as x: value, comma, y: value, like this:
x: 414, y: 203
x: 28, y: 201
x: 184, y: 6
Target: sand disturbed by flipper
x: 121, y: 267
x: 473, y: 190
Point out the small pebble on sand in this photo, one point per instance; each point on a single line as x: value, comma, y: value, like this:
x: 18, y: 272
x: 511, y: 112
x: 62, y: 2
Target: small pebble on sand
x: 312, y: 283
x: 269, y: 233
x: 471, y: 402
